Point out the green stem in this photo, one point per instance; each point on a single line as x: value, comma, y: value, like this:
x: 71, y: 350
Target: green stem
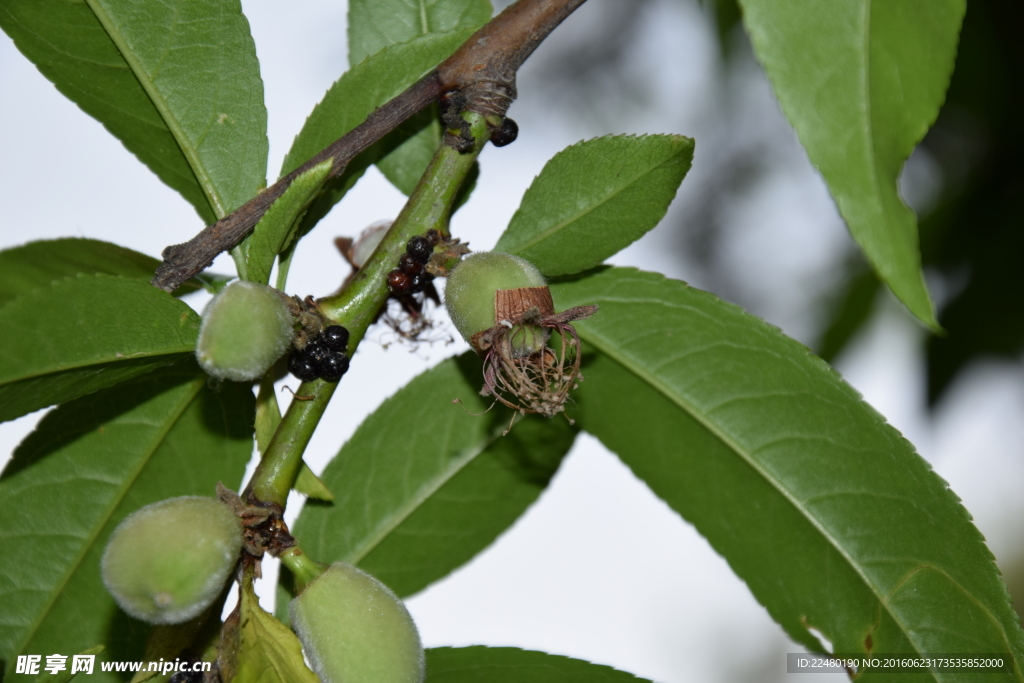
x: 303, y: 568
x: 429, y: 206
x: 356, y: 306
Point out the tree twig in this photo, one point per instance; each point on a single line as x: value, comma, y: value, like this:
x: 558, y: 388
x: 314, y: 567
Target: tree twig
x: 182, y: 261
x: 481, y: 73
x: 483, y: 70
x: 355, y: 307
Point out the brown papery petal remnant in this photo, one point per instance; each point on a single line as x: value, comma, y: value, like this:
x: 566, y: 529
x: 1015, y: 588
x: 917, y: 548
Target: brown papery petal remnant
x: 541, y: 382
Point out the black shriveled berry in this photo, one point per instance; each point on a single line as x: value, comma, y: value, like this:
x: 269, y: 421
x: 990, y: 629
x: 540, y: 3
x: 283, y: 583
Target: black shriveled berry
x: 419, y: 248
x: 333, y: 367
x: 335, y: 337
x: 434, y: 237
x: 408, y: 265
x: 506, y: 134
x: 303, y: 367
x: 399, y: 282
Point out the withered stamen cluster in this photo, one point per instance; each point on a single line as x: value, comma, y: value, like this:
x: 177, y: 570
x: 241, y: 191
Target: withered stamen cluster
x: 539, y: 382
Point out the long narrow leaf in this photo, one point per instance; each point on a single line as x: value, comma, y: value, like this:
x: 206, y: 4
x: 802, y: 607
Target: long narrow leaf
x: 88, y: 465
x: 375, y: 24
x: 85, y: 333
x: 367, y: 86
x: 824, y: 510
x: 278, y: 227
x: 423, y: 485
x: 268, y: 651
x: 37, y: 264
x: 862, y: 82
x: 177, y: 82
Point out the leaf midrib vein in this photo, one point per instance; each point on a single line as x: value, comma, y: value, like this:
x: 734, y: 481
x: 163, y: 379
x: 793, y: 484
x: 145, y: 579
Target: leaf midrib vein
x: 166, y: 113
x: 579, y: 216
x: 455, y: 466
x: 97, y: 362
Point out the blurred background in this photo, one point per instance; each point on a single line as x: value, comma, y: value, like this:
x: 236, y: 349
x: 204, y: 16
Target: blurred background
x: 599, y: 568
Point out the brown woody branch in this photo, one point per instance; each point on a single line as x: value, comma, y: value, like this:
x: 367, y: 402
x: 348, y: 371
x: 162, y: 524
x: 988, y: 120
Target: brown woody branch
x: 480, y: 76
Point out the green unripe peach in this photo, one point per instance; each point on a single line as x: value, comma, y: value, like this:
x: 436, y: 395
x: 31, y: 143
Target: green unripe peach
x: 246, y: 327
x: 168, y: 561
x: 470, y: 295
x: 355, y: 630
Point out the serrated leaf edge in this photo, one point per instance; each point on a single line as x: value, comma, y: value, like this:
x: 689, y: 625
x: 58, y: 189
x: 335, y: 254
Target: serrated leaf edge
x: 690, y: 410
x: 541, y: 652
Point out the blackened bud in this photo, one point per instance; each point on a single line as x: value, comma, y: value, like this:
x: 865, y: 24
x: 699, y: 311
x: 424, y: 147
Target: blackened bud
x: 302, y: 366
x: 399, y: 282
x: 316, y: 350
x: 333, y: 367
x: 506, y: 134
x: 335, y: 337
x: 419, y: 248
x: 408, y: 265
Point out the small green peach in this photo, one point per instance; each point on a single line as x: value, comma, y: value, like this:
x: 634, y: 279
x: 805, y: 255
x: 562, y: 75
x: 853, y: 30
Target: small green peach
x: 355, y: 630
x: 246, y: 327
x: 168, y: 561
x: 470, y: 295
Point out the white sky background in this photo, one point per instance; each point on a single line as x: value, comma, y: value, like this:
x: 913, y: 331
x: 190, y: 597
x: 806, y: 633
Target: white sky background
x: 599, y: 568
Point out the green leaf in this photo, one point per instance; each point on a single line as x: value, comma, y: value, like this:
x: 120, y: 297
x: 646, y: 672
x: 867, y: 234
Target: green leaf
x: 83, y: 334
x: 268, y: 651
x: 88, y: 465
x: 596, y: 198
x: 820, y: 506
x: 36, y: 264
x: 862, y: 82
x: 351, y: 99
x: 727, y: 17
x: 277, y: 229
x: 423, y: 485
x: 308, y: 484
x: 177, y: 82
x: 478, y: 664
x: 376, y: 24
